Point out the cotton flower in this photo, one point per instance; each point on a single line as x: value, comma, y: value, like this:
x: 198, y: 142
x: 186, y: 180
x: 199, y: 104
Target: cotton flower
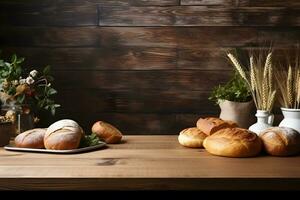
x: 33, y: 73
x: 22, y: 81
x: 15, y: 82
x: 5, y: 84
x: 29, y: 80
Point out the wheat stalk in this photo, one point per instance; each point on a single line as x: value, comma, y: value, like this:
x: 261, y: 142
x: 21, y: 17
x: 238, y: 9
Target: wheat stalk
x: 298, y: 92
x: 237, y: 66
x: 290, y: 87
x: 259, y: 79
x: 271, y: 100
x: 270, y: 77
x: 252, y: 74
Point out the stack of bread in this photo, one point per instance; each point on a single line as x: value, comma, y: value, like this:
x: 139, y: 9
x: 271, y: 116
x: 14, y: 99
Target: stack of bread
x: 64, y: 135
x: 224, y: 138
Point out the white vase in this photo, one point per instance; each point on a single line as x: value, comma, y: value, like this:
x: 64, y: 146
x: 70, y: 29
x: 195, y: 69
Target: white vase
x: 291, y: 118
x: 264, y: 120
x: 238, y: 112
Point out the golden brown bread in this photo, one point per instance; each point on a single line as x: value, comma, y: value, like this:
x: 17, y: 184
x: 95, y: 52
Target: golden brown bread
x: 31, y: 139
x: 233, y: 142
x: 281, y: 141
x: 63, y: 135
x: 191, y: 137
x: 107, y: 132
x: 210, y: 125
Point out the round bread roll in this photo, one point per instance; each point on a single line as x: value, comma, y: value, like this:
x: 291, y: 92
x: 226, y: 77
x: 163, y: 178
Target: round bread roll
x: 31, y: 139
x: 107, y: 132
x: 191, y: 137
x: 281, y: 141
x: 233, y: 142
x: 63, y: 135
x: 210, y: 125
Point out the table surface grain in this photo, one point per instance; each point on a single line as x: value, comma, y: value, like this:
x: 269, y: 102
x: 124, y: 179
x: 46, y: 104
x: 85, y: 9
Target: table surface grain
x: 146, y: 163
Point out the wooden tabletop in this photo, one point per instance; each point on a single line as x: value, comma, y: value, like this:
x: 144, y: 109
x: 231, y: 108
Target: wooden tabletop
x: 145, y: 163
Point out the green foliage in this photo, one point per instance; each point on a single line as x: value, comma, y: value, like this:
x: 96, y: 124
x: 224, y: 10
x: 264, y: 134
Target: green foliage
x: 34, y: 92
x: 234, y: 90
x: 89, y: 140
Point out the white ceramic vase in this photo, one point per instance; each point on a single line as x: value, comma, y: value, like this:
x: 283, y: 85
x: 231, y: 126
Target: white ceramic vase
x: 264, y: 120
x: 239, y: 112
x: 291, y: 118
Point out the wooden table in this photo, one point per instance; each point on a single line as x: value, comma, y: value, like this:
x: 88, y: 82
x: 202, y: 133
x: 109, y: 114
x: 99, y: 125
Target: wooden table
x: 144, y: 163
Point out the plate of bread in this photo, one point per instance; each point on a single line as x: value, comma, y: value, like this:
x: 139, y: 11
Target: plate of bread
x: 65, y: 136
x: 224, y: 138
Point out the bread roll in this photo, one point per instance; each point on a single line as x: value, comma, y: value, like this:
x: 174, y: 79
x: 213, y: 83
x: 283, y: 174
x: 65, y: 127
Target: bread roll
x: 233, y: 142
x: 211, y: 125
x: 281, y: 141
x: 191, y: 137
x: 107, y: 132
x: 63, y: 135
x: 31, y: 139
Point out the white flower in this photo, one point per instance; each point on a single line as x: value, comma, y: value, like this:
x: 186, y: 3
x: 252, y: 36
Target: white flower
x: 49, y: 84
x: 33, y: 73
x: 29, y: 80
x: 15, y: 82
x: 22, y: 81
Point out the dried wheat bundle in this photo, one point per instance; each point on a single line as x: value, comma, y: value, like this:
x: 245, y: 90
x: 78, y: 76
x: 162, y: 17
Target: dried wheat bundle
x: 259, y: 78
x: 288, y: 83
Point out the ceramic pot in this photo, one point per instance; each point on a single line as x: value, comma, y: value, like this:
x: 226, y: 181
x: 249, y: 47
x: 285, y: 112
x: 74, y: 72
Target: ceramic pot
x: 7, y: 129
x: 291, y: 118
x: 240, y: 112
x: 264, y: 120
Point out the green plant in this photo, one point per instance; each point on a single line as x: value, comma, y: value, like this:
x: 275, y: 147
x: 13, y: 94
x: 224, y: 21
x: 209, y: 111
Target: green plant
x: 89, y: 140
x: 34, y: 93
x: 234, y: 90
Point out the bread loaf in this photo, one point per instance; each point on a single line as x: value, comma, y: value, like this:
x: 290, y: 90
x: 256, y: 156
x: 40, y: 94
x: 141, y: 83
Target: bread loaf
x: 107, y: 132
x: 281, y: 141
x: 211, y: 125
x: 63, y: 135
x: 233, y: 142
x: 191, y: 137
x: 31, y: 139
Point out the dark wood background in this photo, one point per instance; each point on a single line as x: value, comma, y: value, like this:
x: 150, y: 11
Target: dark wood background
x: 145, y: 66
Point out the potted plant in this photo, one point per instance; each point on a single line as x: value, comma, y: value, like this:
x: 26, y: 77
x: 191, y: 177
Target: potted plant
x: 27, y: 96
x: 235, y: 101
x: 259, y: 79
x: 288, y: 83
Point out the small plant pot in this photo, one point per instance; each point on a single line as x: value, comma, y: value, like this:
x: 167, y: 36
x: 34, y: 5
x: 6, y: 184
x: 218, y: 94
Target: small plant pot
x: 240, y: 112
x: 7, y: 130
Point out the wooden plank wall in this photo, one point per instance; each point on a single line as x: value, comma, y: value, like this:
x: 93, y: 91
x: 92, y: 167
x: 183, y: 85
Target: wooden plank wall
x: 146, y: 66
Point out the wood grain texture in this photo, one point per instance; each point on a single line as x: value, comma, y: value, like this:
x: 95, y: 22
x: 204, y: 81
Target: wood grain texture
x: 243, y: 3
x: 145, y: 66
x: 48, y: 15
x: 197, y: 16
x: 141, y: 80
x: 124, y: 101
x: 230, y: 3
x: 95, y: 2
x: 144, y: 163
x: 269, y: 3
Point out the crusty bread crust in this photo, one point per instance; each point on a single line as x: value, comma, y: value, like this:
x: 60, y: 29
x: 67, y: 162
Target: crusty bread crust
x: 33, y: 138
x: 191, y: 137
x: 107, y: 132
x: 281, y: 141
x: 63, y: 135
x: 210, y: 125
x: 233, y: 142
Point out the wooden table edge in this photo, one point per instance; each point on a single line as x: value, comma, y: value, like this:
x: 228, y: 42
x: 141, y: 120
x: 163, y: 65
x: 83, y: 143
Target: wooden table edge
x: 128, y: 184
